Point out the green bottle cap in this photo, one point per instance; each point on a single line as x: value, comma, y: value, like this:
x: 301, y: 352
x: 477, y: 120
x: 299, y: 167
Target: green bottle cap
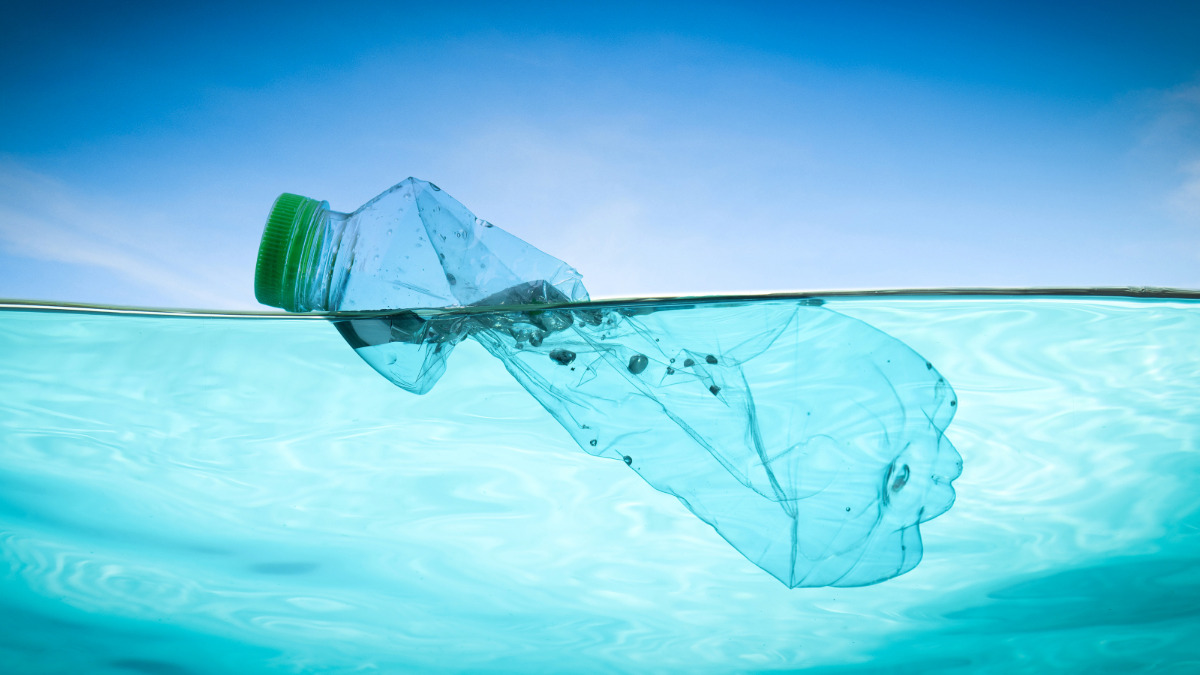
x: 285, y: 251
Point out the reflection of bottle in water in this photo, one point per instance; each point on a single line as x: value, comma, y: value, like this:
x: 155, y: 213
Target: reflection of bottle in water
x: 810, y: 441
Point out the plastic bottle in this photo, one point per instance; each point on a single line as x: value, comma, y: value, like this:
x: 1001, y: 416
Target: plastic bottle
x: 812, y: 442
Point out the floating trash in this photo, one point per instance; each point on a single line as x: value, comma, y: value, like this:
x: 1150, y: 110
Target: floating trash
x: 812, y: 442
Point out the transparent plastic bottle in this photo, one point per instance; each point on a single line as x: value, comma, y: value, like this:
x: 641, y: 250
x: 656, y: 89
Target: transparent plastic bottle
x: 810, y: 441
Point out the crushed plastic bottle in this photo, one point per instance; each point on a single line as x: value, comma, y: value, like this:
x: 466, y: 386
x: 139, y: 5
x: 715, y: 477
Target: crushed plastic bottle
x: 812, y: 442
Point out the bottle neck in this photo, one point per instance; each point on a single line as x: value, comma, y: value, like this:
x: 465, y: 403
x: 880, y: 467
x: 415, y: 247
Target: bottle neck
x: 320, y: 284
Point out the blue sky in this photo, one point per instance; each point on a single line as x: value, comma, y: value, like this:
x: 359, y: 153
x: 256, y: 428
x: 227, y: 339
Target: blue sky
x: 698, y: 148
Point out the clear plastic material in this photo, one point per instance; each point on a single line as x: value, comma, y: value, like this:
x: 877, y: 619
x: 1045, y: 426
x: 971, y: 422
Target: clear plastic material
x: 812, y: 442
x: 415, y: 246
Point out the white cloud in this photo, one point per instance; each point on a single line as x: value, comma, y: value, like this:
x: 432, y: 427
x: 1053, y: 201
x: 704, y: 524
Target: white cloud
x: 1185, y: 200
x: 1172, y: 135
x: 43, y: 219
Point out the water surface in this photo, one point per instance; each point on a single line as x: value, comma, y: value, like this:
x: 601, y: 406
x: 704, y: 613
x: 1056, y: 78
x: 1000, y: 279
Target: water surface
x: 201, y: 493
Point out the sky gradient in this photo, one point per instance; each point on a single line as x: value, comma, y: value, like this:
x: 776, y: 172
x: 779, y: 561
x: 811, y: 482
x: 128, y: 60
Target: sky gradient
x: 699, y: 148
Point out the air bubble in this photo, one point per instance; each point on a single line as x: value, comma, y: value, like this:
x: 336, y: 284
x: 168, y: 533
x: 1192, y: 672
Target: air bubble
x: 563, y: 357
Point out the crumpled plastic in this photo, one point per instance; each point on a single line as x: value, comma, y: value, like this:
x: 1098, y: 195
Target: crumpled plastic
x: 809, y: 440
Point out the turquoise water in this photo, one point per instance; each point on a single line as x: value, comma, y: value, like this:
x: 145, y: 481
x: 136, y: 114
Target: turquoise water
x: 208, y: 494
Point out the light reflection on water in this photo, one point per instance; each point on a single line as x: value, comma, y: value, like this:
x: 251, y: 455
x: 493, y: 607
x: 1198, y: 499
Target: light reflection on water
x: 190, y: 494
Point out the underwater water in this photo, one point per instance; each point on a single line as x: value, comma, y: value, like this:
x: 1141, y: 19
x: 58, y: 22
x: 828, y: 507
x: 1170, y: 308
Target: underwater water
x: 207, y: 494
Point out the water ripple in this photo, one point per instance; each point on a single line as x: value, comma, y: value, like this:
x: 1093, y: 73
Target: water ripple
x: 186, y: 488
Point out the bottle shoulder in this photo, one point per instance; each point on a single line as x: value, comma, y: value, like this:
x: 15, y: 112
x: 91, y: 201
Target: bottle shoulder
x: 393, y: 197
